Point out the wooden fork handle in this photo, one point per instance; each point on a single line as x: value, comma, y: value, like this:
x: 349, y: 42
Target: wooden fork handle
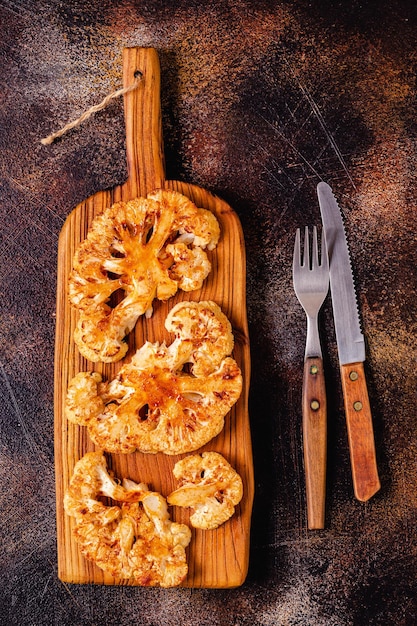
x: 360, y: 431
x: 315, y: 440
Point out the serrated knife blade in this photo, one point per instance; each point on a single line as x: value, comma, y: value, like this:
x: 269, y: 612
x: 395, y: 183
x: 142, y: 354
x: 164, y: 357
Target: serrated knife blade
x: 351, y: 349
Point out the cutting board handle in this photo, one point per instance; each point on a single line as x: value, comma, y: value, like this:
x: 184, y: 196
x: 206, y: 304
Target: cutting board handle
x: 144, y: 144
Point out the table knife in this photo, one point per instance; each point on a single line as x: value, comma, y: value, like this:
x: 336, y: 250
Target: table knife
x: 351, y: 349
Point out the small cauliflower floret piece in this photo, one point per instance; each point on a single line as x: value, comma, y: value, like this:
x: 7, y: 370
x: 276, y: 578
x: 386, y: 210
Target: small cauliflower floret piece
x: 203, y: 334
x: 134, y: 539
x: 155, y: 403
x: 210, y: 486
x: 134, y: 252
x: 83, y: 398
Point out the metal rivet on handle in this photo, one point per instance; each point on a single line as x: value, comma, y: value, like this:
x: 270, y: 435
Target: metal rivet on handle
x: 357, y: 405
x: 315, y: 405
x: 353, y: 375
x: 314, y: 369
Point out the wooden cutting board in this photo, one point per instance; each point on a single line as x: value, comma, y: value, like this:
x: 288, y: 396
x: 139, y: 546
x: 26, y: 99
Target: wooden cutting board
x: 217, y: 558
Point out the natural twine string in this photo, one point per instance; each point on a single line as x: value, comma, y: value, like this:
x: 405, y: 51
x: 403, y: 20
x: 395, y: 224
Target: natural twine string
x: 97, y: 107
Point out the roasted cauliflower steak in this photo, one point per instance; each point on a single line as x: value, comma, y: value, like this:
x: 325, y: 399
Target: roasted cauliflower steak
x: 134, y: 252
x: 133, y: 539
x: 210, y: 486
x: 170, y: 399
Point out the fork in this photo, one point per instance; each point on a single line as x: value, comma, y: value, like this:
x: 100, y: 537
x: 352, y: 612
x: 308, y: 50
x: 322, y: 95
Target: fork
x: 311, y: 284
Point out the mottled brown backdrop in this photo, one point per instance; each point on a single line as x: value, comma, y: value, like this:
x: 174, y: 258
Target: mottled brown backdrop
x: 261, y: 101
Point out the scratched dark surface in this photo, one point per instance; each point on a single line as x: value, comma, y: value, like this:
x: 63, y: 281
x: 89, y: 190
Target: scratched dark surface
x: 261, y: 101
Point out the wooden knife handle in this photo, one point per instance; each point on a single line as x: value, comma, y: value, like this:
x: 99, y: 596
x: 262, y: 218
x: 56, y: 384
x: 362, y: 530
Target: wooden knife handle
x: 360, y: 431
x: 315, y: 440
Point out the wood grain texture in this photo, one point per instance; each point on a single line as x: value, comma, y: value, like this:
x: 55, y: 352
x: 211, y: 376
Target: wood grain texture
x: 315, y: 440
x: 217, y: 558
x: 360, y: 431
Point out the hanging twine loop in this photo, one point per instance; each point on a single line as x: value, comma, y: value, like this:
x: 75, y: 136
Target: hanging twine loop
x: 97, y: 107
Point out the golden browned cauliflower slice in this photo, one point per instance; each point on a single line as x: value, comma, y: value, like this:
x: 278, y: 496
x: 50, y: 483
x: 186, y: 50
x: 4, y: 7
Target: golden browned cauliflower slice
x: 170, y: 399
x: 133, y: 539
x: 135, y: 252
x: 210, y: 486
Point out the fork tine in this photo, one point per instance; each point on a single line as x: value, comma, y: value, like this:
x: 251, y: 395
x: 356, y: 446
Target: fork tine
x: 297, y: 250
x: 306, y: 258
x: 315, y: 252
x: 324, y: 255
